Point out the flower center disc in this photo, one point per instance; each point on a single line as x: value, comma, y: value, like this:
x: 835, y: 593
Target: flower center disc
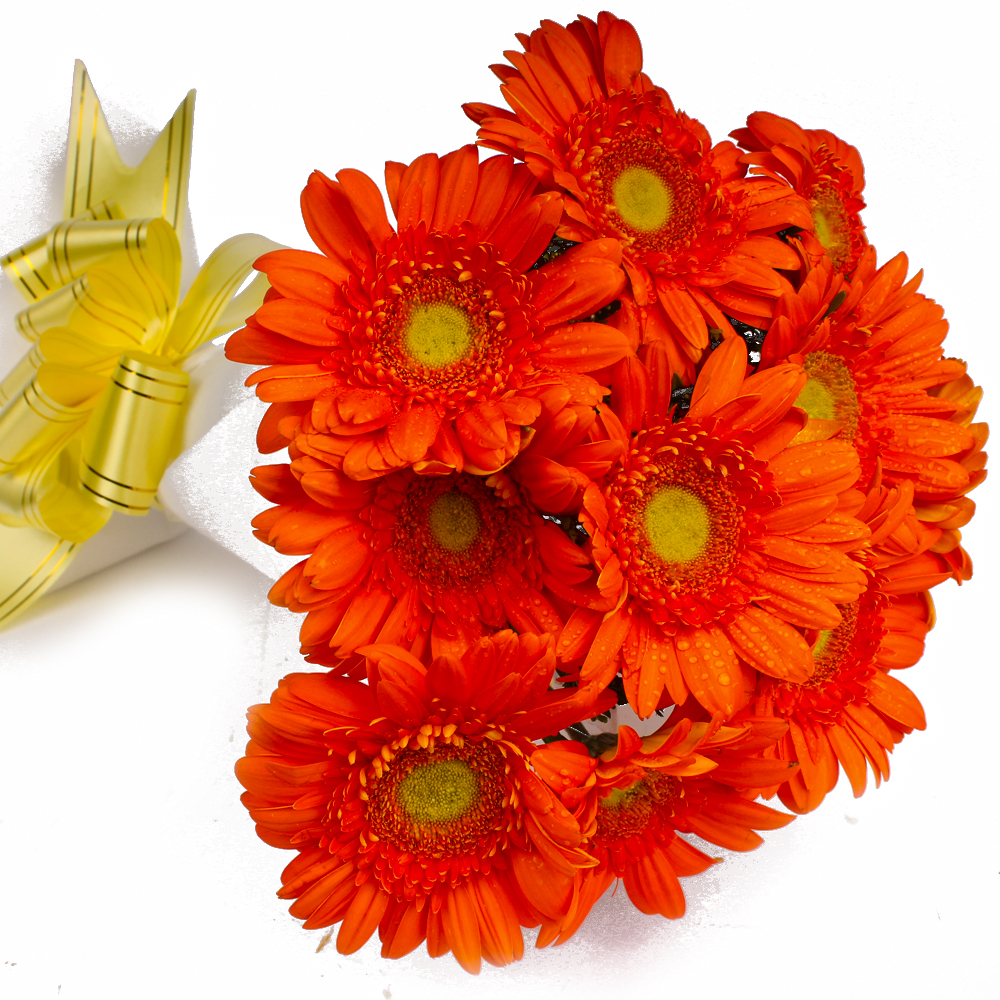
x: 830, y: 223
x: 439, y: 792
x: 629, y: 811
x: 620, y: 797
x: 642, y: 199
x: 437, y: 334
x: 454, y: 533
x: 454, y: 521
x: 677, y: 524
x: 829, y: 392
x: 817, y: 400
x: 845, y: 663
x: 444, y: 802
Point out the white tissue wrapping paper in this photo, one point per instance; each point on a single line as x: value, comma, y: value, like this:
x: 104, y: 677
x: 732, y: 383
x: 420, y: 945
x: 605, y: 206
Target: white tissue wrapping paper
x: 129, y: 867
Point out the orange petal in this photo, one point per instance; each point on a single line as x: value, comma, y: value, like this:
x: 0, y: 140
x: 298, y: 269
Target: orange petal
x: 622, y: 56
x: 582, y: 347
x: 362, y: 917
x: 653, y: 886
x: 896, y: 700
x: 601, y: 662
x: 366, y: 200
x: 413, y: 431
x: 461, y: 924
x: 418, y: 192
x: 456, y: 188
x: 709, y: 668
x: 299, y: 320
x: 720, y: 380
x: 770, y: 645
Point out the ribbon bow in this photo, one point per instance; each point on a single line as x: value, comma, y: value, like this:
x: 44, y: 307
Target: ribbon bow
x: 92, y: 415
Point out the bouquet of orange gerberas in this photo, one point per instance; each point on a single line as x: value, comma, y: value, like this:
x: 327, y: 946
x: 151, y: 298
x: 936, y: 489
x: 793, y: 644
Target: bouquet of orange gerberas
x: 615, y: 417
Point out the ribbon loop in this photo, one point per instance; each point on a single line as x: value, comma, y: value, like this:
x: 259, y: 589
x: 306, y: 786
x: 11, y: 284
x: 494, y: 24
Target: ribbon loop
x: 133, y: 433
x: 28, y: 267
x: 53, y: 310
x: 20, y: 375
x: 53, y: 405
x: 69, y: 249
x: 209, y: 308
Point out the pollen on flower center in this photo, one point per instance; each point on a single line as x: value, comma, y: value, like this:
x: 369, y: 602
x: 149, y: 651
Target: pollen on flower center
x: 678, y: 524
x: 454, y: 521
x: 642, y: 199
x: 830, y: 392
x: 438, y: 791
x: 448, y: 322
x: 437, y: 334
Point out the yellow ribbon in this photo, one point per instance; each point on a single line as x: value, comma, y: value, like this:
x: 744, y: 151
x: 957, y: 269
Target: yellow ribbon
x: 92, y: 415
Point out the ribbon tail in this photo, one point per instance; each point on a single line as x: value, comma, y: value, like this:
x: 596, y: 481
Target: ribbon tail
x: 158, y: 187
x: 33, y: 561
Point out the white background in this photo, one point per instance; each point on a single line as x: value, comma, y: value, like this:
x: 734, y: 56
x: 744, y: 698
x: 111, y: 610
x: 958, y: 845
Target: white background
x: 128, y: 868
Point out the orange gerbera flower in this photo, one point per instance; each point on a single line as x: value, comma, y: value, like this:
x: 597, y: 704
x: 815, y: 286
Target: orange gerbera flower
x: 438, y: 560
x: 872, y: 350
x: 632, y: 801
x: 422, y: 561
x: 411, y: 800
x: 825, y: 170
x: 713, y: 540
x: 697, y: 235
x: 852, y: 711
x: 427, y: 345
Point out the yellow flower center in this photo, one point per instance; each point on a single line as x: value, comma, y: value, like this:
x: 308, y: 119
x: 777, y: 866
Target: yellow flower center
x: 817, y: 400
x: 621, y: 797
x: 437, y: 334
x: 438, y: 792
x: 831, y: 225
x: 677, y: 524
x: 454, y: 521
x: 445, y: 801
x: 822, y: 642
x: 831, y: 649
x: 830, y: 392
x: 642, y: 199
